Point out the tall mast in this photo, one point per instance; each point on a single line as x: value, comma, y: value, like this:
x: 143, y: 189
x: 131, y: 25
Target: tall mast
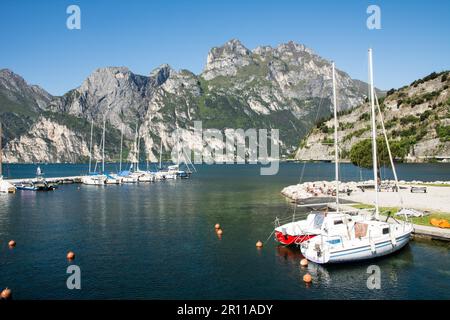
x: 90, y: 145
x: 103, y: 145
x: 138, y: 152
x: 135, y: 148
x: 374, y: 134
x: 160, y: 153
x: 336, y: 153
x: 121, y: 143
x: 1, y: 150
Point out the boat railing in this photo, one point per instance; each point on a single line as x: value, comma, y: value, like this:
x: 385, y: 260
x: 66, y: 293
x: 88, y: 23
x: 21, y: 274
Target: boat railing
x: 280, y: 221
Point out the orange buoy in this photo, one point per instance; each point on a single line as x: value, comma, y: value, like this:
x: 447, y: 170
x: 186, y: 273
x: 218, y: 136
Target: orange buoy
x: 6, y: 294
x: 304, y: 262
x: 70, y: 255
x: 307, y: 278
x: 259, y: 244
x: 219, y: 232
x: 12, y: 244
x: 217, y: 226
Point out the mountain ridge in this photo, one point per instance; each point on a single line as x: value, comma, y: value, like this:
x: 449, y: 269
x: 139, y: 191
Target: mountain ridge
x: 265, y: 87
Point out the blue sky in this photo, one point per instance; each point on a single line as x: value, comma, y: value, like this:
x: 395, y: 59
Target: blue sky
x: 35, y: 43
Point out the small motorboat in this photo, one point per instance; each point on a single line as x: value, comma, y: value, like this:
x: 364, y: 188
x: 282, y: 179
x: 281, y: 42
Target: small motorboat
x: 35, y: 186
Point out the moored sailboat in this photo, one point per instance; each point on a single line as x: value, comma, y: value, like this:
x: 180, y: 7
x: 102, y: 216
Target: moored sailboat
x: 296, y: 232
x: 368, y: 238
x: 92, y: 178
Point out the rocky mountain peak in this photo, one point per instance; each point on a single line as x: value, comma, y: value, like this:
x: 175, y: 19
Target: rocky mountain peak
x: 17, y: 90
x: 293, y: 47
x: 225, y: 60
x: 11, y: 81
x: 161, y: 74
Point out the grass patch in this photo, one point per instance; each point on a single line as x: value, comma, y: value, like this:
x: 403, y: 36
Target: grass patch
x: 424, y: 221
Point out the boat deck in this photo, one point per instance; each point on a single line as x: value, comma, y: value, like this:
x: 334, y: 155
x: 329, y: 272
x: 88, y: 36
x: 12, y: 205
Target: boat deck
x: 421, y: 231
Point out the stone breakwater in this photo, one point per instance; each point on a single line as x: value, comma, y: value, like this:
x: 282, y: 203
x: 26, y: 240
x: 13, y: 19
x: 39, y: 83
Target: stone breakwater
x: 317, y: 189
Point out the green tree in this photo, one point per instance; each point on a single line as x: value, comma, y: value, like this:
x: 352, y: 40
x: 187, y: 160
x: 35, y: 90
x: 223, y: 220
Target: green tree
x: 361, y: 153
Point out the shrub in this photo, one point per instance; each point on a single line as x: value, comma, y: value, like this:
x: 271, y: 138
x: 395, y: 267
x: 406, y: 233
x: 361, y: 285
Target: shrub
x: 409, y: 119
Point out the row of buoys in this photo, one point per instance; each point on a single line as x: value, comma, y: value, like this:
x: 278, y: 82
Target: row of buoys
x: 6, y: 293
x: 307, y: 278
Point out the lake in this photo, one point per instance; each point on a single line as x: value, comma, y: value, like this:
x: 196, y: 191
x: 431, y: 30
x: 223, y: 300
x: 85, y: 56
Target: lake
x: 157, y: 240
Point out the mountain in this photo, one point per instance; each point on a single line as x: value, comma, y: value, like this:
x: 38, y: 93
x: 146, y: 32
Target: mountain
x: 287, y: 87
x: 20, y: 104
x: 416, y: 118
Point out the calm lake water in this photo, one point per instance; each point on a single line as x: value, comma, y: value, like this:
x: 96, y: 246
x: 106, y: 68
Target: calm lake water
x: 157, y: 241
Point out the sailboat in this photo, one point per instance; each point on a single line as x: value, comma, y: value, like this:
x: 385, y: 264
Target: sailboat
x: 5, y: 186
x: 364, y: 239
x: 110, y: 179
x: 296, y: 232
x: 93, y: 178
x: 125, y: 175
x: 160, y: 174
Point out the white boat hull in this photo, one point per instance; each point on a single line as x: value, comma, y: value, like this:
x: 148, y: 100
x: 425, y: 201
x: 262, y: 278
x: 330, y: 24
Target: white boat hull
x: 364, y: 250
x: 93, y: 180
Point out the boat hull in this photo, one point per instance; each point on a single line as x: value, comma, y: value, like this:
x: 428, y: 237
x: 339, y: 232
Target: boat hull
x: 289, y: 240
x: 365, y: 251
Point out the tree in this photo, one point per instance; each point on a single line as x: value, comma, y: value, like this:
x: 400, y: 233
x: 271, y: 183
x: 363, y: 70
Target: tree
x: 361, y: 153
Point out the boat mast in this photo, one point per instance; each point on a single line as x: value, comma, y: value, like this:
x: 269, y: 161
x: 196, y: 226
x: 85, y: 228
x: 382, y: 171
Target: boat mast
x: 138, y: 152
x: 374, y: 134
x: 121, y: 143
x: 160, y: 153
x: 336, y: 153
x: 135, y: 148
x: 90, y: 145
x: 103, y: 145
x: 1, y: 150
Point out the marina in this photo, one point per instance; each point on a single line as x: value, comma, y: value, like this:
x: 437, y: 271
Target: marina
x: 120, y: 235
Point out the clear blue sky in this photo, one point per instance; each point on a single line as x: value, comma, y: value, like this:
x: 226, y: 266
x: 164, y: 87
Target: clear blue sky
x: 35, y: 43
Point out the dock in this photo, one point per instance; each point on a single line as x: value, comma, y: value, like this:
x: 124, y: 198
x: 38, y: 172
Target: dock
x: 59, y: 180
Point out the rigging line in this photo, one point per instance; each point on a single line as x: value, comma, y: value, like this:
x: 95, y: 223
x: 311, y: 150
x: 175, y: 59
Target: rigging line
x: 315, y: 121
x: 389, y: 152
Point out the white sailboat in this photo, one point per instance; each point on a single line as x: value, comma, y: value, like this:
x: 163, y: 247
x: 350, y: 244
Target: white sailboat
x: 366, y: 239
x: 297, y: 232
x: 93, y: 178
x: 5, y: 186
x: 109, y: 179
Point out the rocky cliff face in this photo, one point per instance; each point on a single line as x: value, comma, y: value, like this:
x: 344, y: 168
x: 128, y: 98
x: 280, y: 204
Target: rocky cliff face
x: 416, y: 117
x: 51, y: 141
x: 267, y: 87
